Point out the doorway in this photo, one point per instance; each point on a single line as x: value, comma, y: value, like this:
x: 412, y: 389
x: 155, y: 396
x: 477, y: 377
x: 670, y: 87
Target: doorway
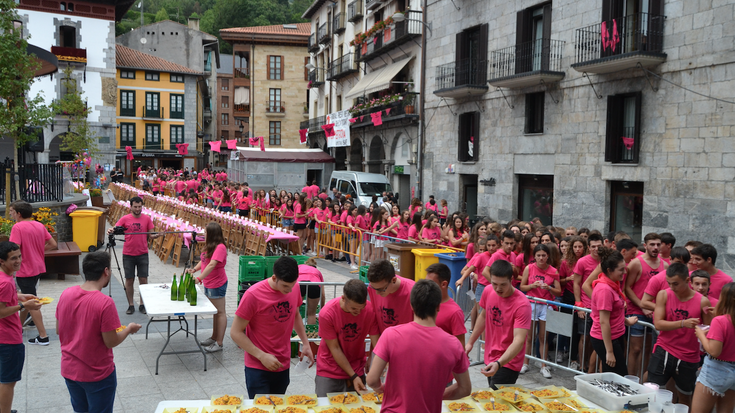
x: 314, y: 175
x: 469, y: 195
x: 404, y: 191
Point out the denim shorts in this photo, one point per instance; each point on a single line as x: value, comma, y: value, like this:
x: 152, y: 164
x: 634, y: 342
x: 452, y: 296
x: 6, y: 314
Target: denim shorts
x: 718, y: 376
x: 214, y: 293
x: 637, y: 330
x: 131, y: 262
x: 287, y: 222
x: 538, y: 311
x: 12, y: 357
x: 478, y: 292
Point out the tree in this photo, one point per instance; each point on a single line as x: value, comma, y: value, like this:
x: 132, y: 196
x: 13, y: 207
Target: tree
x: 80, y: 138
x: 162, y: 15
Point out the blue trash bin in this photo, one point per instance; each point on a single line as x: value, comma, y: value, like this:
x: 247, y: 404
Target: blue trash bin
x: 455, y: 261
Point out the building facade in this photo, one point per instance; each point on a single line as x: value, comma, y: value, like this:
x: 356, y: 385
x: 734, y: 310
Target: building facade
x: 366, y: 58
x: 158, y: 109
x: 594, y: 113
x: 269, y: 81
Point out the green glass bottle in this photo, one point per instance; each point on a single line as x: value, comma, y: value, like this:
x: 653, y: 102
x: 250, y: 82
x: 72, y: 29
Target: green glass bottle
x: 182, y: 288
x: 193, y: 295
x: 174, y: 290
x: 187, y: 292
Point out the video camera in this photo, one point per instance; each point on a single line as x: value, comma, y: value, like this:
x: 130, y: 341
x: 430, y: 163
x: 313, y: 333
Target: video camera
x: 118, y: 230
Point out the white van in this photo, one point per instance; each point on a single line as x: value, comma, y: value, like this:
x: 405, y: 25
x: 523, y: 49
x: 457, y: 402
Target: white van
x: 360, y: 186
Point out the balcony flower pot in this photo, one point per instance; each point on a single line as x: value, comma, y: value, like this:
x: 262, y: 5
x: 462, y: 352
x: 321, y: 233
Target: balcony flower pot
x: 409, y: 109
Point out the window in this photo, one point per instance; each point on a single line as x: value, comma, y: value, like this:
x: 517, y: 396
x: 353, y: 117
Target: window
x: 274, y: 100
x: 153, y: 136
x: 177, y: 78
x: 152, y: 108
x: 225, y: 119
x: 127, y: 103
x: 274, y: 133
x: 535, y: 112
x: 71, y: 7
x: 225, y: 102
x: 225, y: 134
x: 275, y: 67
x: 626, y: 208
x: 154, y: 76
x: 127, y: 135
x: 177, y: 106
x: 533, y: 39
x: 469, y: 136
x: 127, y: 74
x: 177, y: 134
x: 68, y: 36
x: 471, y: 56
x: 225, y: 84
x: 536, y: 197
x: 639, y: 22
x: 623, y: 134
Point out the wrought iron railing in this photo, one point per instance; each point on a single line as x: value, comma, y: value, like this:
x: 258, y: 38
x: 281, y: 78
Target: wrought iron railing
x: 467, y: 72
x: 242, y: 73
x: 239, y: 109
x: 323, y: 33
x: 315, y: 124
x: 354, y: 11
x: 338, y: 23
x: 537, y: 55
x: 639, y: 32
x: 392, y: 36
x: 342, y: 66
x: 316, y: 77
x: 153, y: 113
x: 312, y: 44
x: 275, y: 106
x: 304, y: 125
x: 36, y: 183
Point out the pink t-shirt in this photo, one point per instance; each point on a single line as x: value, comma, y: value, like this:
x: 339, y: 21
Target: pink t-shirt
x: 218, y: 276
x: 350, y: 331
x: 499, y: 255
x: 639, y: 286
x: 136, y: 244
x: 320, y: 214
x: 434, y: 207
x: 287, y: 212
x: 479, y: 261
x: 297, y: 211
x: 584, y: 267
x: 412, y: 233
x: 717, y: 281
x: 243, y: 202
x: 343, y: 217
x: 83, y: 316
x: 606, y: 299
x: 470, y: 251
x: 180, y: 186
x: 722, y: 330
x: 656, y: 284
x: 192, y: 184
x: 11, y: 331
x: 502, y: 317
x: 450, y: 318
x: 394, y: 309
x: 271, y: 315
x: 362, y: 222
x: 682, y: 343
x: 402, y: 230
x: 314, y: 190
x: 548, y: 276
x: 431, y: 233
x: 564, y: 272
x: 31, y: 236
x: 398, y: 346
x: 307, y: 273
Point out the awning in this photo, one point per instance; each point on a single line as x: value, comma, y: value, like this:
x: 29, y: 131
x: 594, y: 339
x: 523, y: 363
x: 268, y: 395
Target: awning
x: 284, y: 155
x: 49, y: 62
x: 377, y: 80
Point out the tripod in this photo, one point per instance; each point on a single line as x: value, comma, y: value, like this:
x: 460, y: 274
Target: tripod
x: 111, y: 247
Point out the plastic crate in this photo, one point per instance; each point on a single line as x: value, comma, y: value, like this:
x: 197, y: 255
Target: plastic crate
x: 363, y: 273
x: 269, y: 261
x: 300, y: 259
x: 252, y: 268
x: 302, y: 311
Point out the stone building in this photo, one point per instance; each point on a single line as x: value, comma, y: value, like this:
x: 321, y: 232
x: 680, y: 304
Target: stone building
x: 593, y: 113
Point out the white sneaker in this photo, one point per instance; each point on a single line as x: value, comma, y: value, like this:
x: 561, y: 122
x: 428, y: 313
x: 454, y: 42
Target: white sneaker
x: 213, y: 348
x: 524, y: 369
x: 574, y: 365
x: 311, y: 254
x: 560, y: 357
x: 208, y: 342
x: 353, y: 267
x: 545, y: 372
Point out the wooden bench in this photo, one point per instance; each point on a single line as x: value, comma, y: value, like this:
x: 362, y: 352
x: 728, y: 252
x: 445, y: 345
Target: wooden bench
x: 63, y: 260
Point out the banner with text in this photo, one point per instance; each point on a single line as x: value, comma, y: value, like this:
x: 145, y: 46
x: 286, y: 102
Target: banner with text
x: 341, y: 122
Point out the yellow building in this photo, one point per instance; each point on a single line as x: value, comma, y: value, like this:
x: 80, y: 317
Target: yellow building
x: 160, y: 104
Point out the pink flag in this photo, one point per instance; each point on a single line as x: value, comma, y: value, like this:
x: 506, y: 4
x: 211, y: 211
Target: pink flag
x: 361, y: 117
x: 387, y: 111
x: 386, y: 34
x: 254, y: 140
x: 232, y: 144
x: 375, y: 39
x: 353, y: 120
x: 628, y: 143
x: 215, y: 145
x: 605, y: 35
x: 129, y: 150
x: 262, y: 144
x: 615, y: 36
x: 328, y: 130
x: 183, y: 148
x: 302, y: 135
x: 377, y: 118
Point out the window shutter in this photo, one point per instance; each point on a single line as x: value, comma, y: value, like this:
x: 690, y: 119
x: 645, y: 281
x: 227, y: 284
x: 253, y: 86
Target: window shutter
x: 613, y: 128
x: 481, y: 76
x: 546, y: 41
x: 463, y: 137
x: 460, y: 53
x: 523, y: 35
x: 476, y: 134
x: 283, y: 63
x: 268, y: 68
x: 306, y: 71
x: 637, y: 144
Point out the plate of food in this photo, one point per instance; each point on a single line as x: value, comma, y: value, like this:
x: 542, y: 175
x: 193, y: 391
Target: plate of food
x: 335, y: 408
x: 343, y: 398
x: 364, y: 407
x: 529, y: 406
x: 302, y: 400
x: 292, y: 409
x: 269, y: 400
x: 496, y: 405
x: 227, y: 400
x: 551, y: 392
x: 257, y: 409
x: 373, y: 397
x: 480, y: 395
x: 181, y: 410
x: 45, y: 300
x: 219, y: 409
x: 462, y: 405
x: 511, y: 395
x: 514, y: 388
x: 568, y: 404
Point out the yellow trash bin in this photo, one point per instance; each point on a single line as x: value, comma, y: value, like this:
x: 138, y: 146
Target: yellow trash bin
x: 84, y: 226
x: 424, y: 258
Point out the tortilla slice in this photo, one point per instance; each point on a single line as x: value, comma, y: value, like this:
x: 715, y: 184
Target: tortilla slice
x: 45, y: 300
x: 121, y: 328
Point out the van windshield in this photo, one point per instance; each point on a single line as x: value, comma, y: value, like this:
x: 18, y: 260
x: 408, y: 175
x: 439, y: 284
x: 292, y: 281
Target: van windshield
x: 374, y: 188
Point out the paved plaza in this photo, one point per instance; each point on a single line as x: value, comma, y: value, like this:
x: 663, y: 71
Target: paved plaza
x: 181, y: 377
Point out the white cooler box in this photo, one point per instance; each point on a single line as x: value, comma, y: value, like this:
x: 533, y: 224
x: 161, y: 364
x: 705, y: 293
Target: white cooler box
x: 610, y: 401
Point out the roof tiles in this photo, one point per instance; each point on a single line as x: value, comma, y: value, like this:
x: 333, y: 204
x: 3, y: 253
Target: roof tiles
x: 302, y: 29
x: 133, y: 59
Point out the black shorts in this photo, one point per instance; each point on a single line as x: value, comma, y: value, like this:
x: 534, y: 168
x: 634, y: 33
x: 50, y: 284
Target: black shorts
x: 312, y: 224
x: 314, y: 291
x: 503, y: 376
x: 27, y: 285
x: 663, y: 367
x: 12, y: 357
x: 584, y: 326
x: 297, y: 227
x: 131, y: 262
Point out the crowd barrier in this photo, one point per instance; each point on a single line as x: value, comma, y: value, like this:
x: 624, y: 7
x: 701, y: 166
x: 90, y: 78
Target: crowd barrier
x: 333, y: 238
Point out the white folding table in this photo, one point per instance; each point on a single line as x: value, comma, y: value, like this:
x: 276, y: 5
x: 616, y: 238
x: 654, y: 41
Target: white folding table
x: 157, y: 299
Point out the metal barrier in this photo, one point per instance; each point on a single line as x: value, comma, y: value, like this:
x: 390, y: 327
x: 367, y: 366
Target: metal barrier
x: 373, y: 237
x: 266, y: 216
x: 339, y: 238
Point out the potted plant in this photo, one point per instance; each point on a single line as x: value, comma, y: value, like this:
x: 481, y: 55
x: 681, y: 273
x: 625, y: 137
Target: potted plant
x: 95, y: 194
x: 410, y: 98
x: 46, y: 217
x: 5, y: 226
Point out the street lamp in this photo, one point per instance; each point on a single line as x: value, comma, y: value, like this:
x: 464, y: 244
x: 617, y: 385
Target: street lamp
x: 310, y: 66
x: 399, y: 17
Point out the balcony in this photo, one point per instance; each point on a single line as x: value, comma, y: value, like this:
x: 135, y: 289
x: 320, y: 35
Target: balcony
x: 391, y: 37
x: 354, y: 11
x: 241, y: 111
x: 371, y: 4
x: 342, y: 67
x: 207, y: 115
x: 312, y: 46
x: 323, y: 34
x: 620, y: 44
x: 275, y: 108
x: 315, y: 124
x: 527, y: 64
x: 316, y: 78
x: 152, y: 114
x: 153, y: 145
x: 461, y: 79
x: 304, y: 125
x: 338, y: 23
x: 69, y: 54
x: 401, y: 110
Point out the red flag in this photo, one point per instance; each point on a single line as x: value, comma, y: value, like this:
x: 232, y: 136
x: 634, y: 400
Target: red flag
x: 129, y: 150
x: 262, y: 144
x: 215, y: 145
x: 328, y: 130
x: 628, y: 142
x: 254, y: 140
x: 387, y: 111
x: 232, y: 144
x: 302, y: 135
x: 183, y: 148
x: 377, y: 118
x: 353, y: 120
x: 386, y: 34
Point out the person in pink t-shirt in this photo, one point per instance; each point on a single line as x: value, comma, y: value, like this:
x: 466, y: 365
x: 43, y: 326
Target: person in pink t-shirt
x: 33, y: 239
x: 12, y: 350
x: 505, y: 321
x: 87, y: 324
x: 699, y: 280
x: 135, y: 249
x: 313, y: 293
x: 439, y: 357
x: 450, y: 317
x: 504, y: 253
x: 314, y: 189
x: 390, y: 295
x: 214, y: 280
x: 344, y: 324
x: 658, y: 281
x: 582, y: 271
x: 264, y: 320
x: 704, y: 258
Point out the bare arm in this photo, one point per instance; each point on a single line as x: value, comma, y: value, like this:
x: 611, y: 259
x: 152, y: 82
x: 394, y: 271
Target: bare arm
x: 376, y: 369
x: 647, y: 302
x: 113, y: 338
x: 519, y: 340
x: 298, y: 326
x: 50, y: 244
x: 237, y: 333
x: 587, y: 286
x: 525, y: 287
x: 659, y: 316
x: 711, y: 347
x: 462, y: 387
x: 342, y: 361
x: 634, y: 274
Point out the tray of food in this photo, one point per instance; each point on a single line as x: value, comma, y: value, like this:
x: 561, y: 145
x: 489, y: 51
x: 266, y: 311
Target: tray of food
x: 343, y: 398
x: 564, y: 405
x: 462, y: 405
x: 181, y: 410
x: 302, y: 400
x: 219, y: 409
x: 550, y: 392
x: 334, y: 408
x: 496, y: 405
x: 613, y: 392
x: 269, y: 400
x: 372, y: 397
x: 511, y: 395
x: 514, y: 387
x: 227, y: 400
x: 292, y: 409
x: 364, y: 407
x: 45, y: 300
x: 257, y: 409
x: 530, y: 406
x: 480, y: 395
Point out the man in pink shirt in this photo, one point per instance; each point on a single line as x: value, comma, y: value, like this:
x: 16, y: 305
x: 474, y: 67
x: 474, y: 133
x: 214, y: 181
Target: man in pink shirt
x: 390, y: 295
x: 314, y: 188
x: 658, y: 281
x: 419, y: 352
x: 505, y: 253
x: 345, y: 322
x: 585, y: 266
x: 33, y: 239
x: 506, y: 320
x: 704, y: 258
x: 135, y: 249
x: 87, y: 323
x: 667, y: 244
x: 267, y: 314
x: 450, y: 317
x: 12, y: 350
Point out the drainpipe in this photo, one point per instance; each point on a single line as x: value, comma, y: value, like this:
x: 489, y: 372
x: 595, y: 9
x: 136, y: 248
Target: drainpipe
x: 422, y: 89
x: 252, y: 83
